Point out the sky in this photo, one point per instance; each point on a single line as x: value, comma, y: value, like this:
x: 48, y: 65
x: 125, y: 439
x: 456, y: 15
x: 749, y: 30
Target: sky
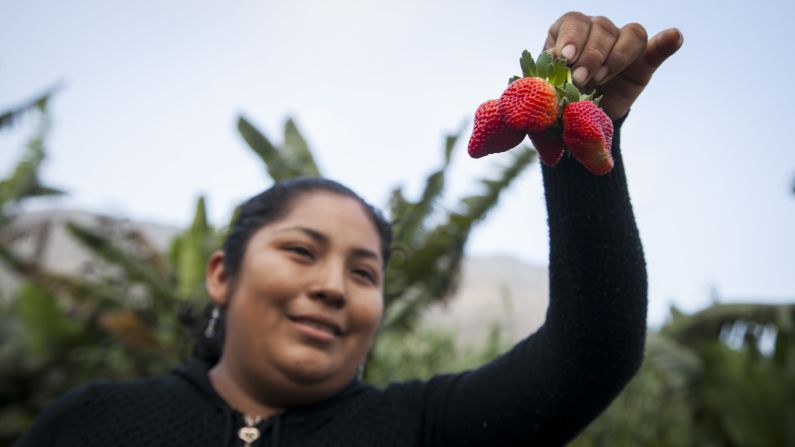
x: 145, y: 121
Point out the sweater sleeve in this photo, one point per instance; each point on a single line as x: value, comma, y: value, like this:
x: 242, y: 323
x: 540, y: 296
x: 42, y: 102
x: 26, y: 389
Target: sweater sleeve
x: 48, y: 429
x: 548, y: 387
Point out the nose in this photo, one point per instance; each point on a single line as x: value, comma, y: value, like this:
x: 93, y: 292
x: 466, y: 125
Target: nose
x: 329, y: 286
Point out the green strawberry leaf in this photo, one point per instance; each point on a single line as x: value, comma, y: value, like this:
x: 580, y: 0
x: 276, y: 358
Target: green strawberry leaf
x: 560, y: 91
x: 589, y: 96
x: 558, y: 73
x: 598, y: 99
x: 528, y: 64
x: 572, y: 92
x: 513, y: 78
x: 544, y: 64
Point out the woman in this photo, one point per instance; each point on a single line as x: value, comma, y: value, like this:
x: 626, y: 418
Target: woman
x: 296, y: 295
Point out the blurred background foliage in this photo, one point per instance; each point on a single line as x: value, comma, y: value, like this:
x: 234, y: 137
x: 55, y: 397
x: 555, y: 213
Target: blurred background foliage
x: 724, y: 376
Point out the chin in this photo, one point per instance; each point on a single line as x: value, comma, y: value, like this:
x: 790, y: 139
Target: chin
x: 312, y: 371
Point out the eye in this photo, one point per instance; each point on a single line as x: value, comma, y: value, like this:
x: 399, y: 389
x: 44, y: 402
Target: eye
x: 367, y: 275
x: 300, y: 251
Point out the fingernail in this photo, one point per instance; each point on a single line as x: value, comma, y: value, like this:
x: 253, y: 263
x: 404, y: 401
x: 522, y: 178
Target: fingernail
x: 579, y: 75
x: 568, y: 51
x: 600, y: 74
x: 681, y: 37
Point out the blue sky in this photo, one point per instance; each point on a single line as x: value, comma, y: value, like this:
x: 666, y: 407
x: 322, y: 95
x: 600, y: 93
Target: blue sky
x: 146, y: 121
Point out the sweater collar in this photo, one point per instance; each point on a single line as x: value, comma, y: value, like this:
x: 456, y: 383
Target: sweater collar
x: 196, y: 373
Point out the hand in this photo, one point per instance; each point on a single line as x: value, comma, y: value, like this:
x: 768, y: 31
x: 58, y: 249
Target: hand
x: 618, y: 63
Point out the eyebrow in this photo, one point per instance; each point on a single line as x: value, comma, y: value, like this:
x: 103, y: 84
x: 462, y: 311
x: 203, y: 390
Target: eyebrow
x: 323, y: 239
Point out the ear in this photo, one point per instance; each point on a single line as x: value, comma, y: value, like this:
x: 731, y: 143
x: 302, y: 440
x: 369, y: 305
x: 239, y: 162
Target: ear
x: 218, y: 281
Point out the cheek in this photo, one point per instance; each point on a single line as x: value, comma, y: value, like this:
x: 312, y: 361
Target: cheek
x: 258, y: 306
x: 268, y: 285
x: 366, y: 313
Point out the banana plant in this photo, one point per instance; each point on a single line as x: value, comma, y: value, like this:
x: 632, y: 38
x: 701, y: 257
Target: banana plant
x: 426, y: 263
x: 291, y: 159
x: 123, y: 321
x: 427, y: 267
x: 718, y: 391
x: 23, y: 182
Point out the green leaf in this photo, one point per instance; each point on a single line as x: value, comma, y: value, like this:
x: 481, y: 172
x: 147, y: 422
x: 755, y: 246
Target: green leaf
x: 559, y: 72
x: 544, y: 64
x: 293, y: 159
x: 39, y: 102
x: 411, y: 218
x: 76, y: 288
x: 512, y: 79
x: 135, y: 268
x: 528, y: 64
x: 23, y: 182
x: 705, y: 325
x: 598, y: 99
x: 261, y: 146
x: 589, y: 96
x: 572, y: 92
x: 451, y: 140
x: 46, y: 326
x: 189, y: 254
x: 432, y: 274
x: 297, y: 151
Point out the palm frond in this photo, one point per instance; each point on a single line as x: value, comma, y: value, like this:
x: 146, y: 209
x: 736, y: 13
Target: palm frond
x: 292, y: 159
x: 433, y: 271
x: 38, y: 102
x: 296, y: 150
x: 135, y: 268
x: 410, y: 218
x: 190, y: 251
x: 706, y: 325
x: 23, y: 182
x: 97, y: 295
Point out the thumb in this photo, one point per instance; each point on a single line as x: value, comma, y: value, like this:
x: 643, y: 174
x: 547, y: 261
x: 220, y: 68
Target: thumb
x: 661, y: 47
x: 658, y: 49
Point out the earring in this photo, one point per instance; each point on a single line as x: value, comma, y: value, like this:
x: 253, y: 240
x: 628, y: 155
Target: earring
x: 209, y: 332
x: 360, y: 372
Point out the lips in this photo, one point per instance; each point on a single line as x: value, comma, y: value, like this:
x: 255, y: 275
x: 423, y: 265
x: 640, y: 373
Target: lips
x: 319, y: 322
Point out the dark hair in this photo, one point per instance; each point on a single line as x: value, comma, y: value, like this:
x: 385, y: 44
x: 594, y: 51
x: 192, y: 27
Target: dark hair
x: 258, y: 211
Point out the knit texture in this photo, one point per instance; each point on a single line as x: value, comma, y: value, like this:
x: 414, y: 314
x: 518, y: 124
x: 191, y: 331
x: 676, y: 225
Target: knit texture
x: 543, y: 391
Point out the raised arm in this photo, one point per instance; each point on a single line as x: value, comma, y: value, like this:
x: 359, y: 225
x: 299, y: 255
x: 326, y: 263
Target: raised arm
x: 552, y: 384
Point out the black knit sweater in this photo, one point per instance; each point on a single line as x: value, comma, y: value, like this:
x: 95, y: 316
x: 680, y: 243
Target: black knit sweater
x: 542, y: 392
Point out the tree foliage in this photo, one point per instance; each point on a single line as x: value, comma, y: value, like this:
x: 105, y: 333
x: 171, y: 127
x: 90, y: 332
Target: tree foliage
x: 722, y: 377
x: 23, y: 182
x: 713, y: 378
x: 122, y: 322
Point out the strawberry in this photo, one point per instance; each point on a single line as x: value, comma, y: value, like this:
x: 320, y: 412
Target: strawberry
x: 550, y: 150
x: 491, y: 135
x: 532, y: 105
x: 588, y: 134
x: 529, y: 104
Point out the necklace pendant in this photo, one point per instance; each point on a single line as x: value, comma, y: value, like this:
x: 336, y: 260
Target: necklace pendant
x: 248, y: 434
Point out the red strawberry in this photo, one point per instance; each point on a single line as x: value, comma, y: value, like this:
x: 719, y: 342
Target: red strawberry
x: 529, y: 104
x: 550, y: 151
x: 588, y: 134
x: 490, y: 134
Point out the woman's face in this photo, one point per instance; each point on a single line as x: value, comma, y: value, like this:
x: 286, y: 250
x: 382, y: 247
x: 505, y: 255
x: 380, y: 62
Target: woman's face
x: 308, y: 298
